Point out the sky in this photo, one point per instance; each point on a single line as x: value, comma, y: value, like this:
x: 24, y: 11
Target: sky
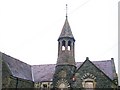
x: 29, y: 29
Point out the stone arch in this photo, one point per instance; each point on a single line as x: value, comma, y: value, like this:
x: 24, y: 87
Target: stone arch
x: 88, y: 80
x: 62, y: 84
x: 88, y: 75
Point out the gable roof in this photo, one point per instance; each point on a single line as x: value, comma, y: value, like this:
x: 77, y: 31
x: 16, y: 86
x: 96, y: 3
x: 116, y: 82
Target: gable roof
x: 106, y: 66
x: 18, y: 68
x: 38, y: 73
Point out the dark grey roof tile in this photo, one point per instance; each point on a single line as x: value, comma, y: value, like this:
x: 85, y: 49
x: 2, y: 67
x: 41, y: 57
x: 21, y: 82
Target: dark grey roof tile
x: 106, y: 67
x: 43, y: 72
x: 18, y: 68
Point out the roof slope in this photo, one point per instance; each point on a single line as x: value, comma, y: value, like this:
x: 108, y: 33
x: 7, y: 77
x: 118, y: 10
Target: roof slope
x: 18, y: 69
x: 43, y: 72
x: 106, y: 67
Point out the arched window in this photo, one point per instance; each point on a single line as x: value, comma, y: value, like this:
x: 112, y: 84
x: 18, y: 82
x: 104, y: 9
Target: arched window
x: 63, y: 45
x: 88, y: 81
x: 88, y: 84
x: 69, y: 45
x: 62, y: 86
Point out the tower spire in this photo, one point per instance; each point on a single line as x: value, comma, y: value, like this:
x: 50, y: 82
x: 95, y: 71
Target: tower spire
x: 66, y: 10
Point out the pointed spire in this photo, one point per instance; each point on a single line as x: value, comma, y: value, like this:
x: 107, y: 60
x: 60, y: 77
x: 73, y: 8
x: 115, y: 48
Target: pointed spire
x: 66, y: 30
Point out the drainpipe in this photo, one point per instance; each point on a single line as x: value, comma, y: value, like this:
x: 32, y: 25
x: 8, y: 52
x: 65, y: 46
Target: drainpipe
x: 16, y: 84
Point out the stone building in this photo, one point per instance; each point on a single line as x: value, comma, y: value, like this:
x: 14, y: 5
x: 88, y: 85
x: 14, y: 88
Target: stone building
x: 66, y: 73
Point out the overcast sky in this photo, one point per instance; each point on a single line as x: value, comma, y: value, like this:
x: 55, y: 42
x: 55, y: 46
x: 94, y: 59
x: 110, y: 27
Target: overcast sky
x: 29, y: 29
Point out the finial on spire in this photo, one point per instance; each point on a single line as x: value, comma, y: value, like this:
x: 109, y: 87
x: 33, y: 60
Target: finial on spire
x: 66, y: 10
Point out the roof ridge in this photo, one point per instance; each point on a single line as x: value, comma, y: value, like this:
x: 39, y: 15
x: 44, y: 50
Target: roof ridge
x: 95, y: 61
x: 43, y: 64
x: 13, y: 58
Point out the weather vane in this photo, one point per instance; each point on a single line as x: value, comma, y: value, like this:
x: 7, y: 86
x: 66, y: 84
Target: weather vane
x: 66, y: 10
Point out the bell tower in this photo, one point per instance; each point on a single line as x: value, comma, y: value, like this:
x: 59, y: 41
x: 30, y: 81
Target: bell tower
x: 66, y: 43
x: 65, y: 66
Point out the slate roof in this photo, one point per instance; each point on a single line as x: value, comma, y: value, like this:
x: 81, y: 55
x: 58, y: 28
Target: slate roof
x: 38, y: 73
x: 18, y: 68
x: 66, y: 30
x: 107, y: 67
x: 43, y: 72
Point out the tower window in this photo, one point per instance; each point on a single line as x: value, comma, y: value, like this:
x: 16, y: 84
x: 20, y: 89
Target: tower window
x: 69, y: 45
x: 63, y: 45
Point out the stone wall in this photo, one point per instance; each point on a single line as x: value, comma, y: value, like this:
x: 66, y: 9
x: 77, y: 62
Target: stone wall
x: 0, y: 70
x: 13, y: 82
x: 89, y: 71
x: 63, y: 74
x: 25, y: 83
x: 9, y: 81
x: 5, y: 75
